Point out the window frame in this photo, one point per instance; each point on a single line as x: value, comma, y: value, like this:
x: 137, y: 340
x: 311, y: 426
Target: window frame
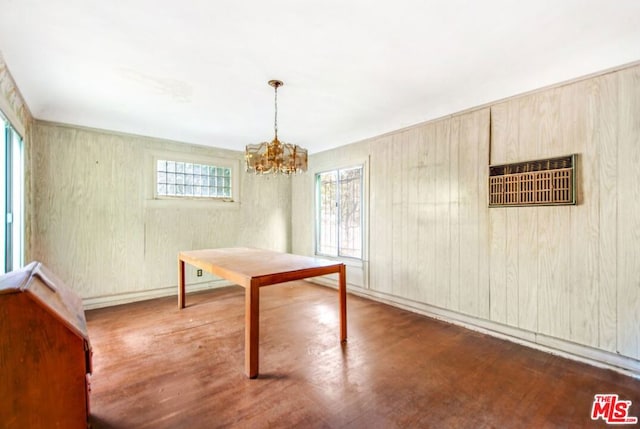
x: 13, y: 182
x: 229, y: 188
x: 154, y: 198
x: 363, y: 166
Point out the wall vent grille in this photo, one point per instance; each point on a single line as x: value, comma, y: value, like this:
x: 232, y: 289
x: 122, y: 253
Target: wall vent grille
x: 533, y: 183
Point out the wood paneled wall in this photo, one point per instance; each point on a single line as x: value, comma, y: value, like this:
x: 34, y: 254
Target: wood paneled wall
x: 569, y: 272
x: 12, y: 103
x: 95, y: 226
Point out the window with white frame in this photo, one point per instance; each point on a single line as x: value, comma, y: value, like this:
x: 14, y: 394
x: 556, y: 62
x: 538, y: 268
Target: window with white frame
x: 187, y: 179
x: 11, y: 197
x: 339, y: 212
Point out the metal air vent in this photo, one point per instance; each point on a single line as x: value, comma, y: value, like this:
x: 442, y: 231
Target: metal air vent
x: 533, y: 183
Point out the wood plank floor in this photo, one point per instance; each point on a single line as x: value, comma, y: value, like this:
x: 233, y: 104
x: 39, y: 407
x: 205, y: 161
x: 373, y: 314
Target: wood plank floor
x: 158, y: 367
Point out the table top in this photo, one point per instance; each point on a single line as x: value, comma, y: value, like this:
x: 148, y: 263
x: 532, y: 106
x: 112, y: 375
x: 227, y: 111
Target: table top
x: 242, y: 264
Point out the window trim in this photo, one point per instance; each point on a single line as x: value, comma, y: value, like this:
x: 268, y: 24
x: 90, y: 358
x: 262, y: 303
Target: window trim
x: 199, y: 164
x: 10, y: 213
x: 364, y: 198
x: 170, y: 200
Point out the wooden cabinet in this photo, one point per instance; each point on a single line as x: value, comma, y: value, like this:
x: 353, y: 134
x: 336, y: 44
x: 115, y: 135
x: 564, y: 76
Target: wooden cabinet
x: 45, y: 354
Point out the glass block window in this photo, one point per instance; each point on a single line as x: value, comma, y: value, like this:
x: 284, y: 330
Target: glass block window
x: 193, y: 180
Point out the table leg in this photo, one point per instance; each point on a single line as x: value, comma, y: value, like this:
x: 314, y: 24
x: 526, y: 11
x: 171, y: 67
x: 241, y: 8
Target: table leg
x: 343, y: 303
x: 181, y: 287
x: 251, y: 329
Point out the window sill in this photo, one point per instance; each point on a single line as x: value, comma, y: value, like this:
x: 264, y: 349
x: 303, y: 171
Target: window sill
x: 199, y: 203
x: 349, y: 262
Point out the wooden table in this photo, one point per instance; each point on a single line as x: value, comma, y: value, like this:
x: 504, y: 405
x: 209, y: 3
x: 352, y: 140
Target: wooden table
x: 252, y: 269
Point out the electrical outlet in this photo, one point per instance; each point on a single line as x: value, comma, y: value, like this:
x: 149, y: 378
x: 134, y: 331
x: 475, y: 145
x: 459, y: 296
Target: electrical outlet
x: 199, y: 273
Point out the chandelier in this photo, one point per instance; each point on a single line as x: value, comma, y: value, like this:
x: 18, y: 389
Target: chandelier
x: 275, y: 157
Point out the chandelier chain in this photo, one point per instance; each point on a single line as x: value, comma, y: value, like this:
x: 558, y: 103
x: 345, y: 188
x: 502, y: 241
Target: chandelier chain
x: 275, y: 121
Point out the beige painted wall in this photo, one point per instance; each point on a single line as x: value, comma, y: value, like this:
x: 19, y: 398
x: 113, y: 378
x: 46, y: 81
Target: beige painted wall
x: 96, y: 225
x: 570, y: 272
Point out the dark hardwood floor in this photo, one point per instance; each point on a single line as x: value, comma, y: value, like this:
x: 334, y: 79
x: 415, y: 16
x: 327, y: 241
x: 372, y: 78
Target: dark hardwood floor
x: 158, y: 367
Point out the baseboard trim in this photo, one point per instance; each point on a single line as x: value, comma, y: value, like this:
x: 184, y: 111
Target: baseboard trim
x: 559, y: 347
x: 129, y: 297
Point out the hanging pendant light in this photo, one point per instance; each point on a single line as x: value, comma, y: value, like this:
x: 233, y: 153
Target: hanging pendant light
x: 275, y: 157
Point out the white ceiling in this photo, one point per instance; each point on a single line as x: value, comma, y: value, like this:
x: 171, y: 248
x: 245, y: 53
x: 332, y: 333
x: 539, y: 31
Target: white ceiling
x: 196, y: 71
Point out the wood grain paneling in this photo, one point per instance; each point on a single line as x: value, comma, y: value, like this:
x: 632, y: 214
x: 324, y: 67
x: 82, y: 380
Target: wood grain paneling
x: 94, y: 225
x: 503, y: 258
x: 498, y: 218
x: 628, y: 253
x: 511, y: 219
x: 527, y: 224
x: 442, y: 194
x: 538, y: 136
x: 417, y: 220
x: 80, y: 208
x: 577, y: 136
x: 472, y: 207
x: 468, y: 212
x: 603, y: 104
x: 381, y: 214
x: 569, y: 272
x: 482, y: 135
x: 454, y: 213
x: 397, y: 249
x: 12, y: 103
x: 425, y: 202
